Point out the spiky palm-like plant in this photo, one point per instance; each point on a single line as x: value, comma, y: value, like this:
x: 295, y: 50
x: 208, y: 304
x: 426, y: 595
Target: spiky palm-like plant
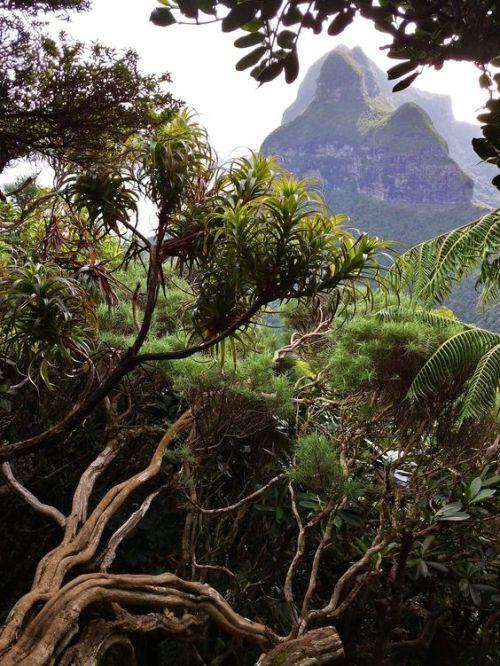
x: 46, y: 320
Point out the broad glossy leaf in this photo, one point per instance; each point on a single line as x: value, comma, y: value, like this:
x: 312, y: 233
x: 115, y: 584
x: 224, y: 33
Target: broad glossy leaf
x: 484, y: 494
x: 455, y: 517
x: 492, y: 480
x: 452, y: 507
x: 438, y: 566
x: 475, y: 486
x: 427, y: 543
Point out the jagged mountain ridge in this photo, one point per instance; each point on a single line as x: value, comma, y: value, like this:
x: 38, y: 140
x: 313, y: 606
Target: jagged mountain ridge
x: 387, y: 166
x: 458, y: 134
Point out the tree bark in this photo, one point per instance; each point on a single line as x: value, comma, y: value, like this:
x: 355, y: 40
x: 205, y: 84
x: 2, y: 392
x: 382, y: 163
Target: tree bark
x: 47, y: 637
x: 318, y: 647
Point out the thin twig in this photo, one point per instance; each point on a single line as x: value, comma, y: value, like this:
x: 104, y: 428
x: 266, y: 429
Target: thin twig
x: 299, y: 552
x: 232, y: 507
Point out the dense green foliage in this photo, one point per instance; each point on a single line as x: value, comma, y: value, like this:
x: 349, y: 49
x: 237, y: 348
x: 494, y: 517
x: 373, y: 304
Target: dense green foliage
x: 328, y: 436
x: 235, y: 440
x: 431, y: 268
x: 334, y: 417
x: 61, y: 97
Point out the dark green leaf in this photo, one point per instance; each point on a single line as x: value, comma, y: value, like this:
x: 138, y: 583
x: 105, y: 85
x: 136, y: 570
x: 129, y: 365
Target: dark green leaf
x: 254, y: 25
x: 492, y: 480
x: 162, y: 17
x: 189, y: 8
x: 475, y: 594
x: 308, y: 21
x: 475, y: 486
x: 401, y: 69
x: 286, y: 39
x: 492, y: 133
x: 340, y: 22
x: 484, y: 149
x: 438, y: 566
x: 291, y: 67
x: 270, y: 72
x: 207, y: 6
x: 293, y: 15
x: 334, y: 6
x: 241, y: 14
x: 270, y: 9
x: 402, y: 85
x: 486, y: 493
x: 455, y: 517
x: 309, y: 504
x: 485, y: 81
x: 250, y: 59
x: 252, y: 39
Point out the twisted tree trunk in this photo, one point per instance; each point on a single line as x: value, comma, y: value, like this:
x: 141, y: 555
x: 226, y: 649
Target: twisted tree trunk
x: 178, y: 606
x: 76, y: 621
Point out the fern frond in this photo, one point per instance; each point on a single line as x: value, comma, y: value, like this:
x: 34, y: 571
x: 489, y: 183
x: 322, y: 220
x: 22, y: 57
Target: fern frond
x: 429, y: 270
x: 482, y: 388
x: 398, y: 313
x: 459, y: 355
x: 471, y: 356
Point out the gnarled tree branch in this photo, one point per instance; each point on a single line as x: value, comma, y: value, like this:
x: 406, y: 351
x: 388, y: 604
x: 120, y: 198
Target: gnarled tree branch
x: 30, y: 499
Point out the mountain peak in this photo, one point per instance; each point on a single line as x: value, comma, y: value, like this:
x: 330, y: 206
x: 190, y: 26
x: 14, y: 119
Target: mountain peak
x: 414, y: 130
x: 340, y: 77
x: 373, y: 99
x: 359, y: 143
x: 381, y: 157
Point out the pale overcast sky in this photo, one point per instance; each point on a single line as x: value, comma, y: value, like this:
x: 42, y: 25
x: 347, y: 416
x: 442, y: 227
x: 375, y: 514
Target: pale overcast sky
x: 201, y: 61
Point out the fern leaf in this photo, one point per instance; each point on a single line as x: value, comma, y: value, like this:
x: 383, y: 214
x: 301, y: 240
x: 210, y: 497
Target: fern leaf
x: 481, y: 392
x: 459, y: 355
x: 430, y: 269
x: 397, y: 313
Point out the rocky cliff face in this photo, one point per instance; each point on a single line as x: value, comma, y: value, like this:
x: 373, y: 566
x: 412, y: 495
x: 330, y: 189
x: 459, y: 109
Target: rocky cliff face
x: 387, y: 166
x: 353, y: 139
x: 458, y: 135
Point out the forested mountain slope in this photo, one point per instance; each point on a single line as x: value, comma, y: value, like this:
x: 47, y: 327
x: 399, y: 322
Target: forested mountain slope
x: 457, y: 134
x: 398, y: 164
